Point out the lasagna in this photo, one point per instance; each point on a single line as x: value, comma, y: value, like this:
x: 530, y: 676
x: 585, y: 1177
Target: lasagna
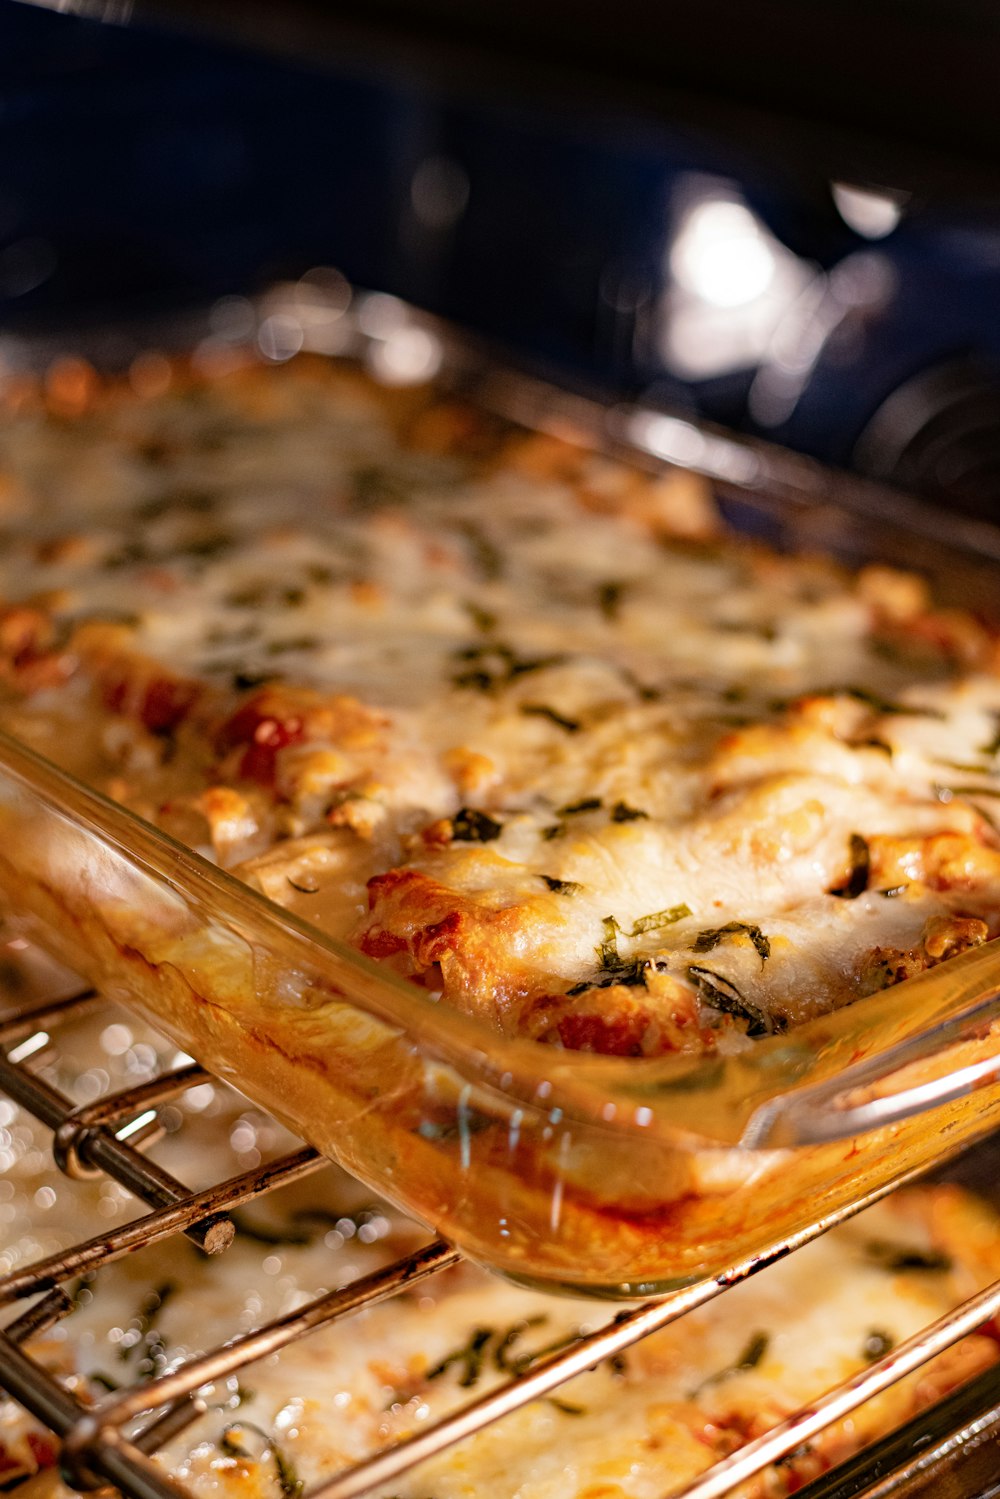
x: 511, y: 716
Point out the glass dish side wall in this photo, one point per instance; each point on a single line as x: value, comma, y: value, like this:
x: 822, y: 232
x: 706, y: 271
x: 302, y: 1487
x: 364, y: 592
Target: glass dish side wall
x: 548, y: 1171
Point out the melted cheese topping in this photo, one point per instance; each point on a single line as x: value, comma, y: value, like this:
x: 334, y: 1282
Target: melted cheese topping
x: 508, y: 715
x: 633, y: 1428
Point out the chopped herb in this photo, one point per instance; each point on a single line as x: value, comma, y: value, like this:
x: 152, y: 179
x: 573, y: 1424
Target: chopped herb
x: 289, y: 1482
x: 250, y: 597
x: 520, y: 1363
x: 492, y: 649
x: 542, y: 710
x: 554, y: 830
x: 263, y: 1233
x: 891, y: 891
x: 98, y: 1377
x: 481, y: 618
x: 751, y: 1356
x: 722, y: 994
x: 565, y: 1406
x: 886, y: 707
x: 485, y: 555
x: 472, y: 826
x: 475, y: 678
x: 876, y: 1345
x: 522, y: 666
x: 609, y: 599
x: 143, y: 1337
x: 243, y: 681
x: 898, y: 1257
x: 645, y: 693
x: 79, y: 1294
x: 873, y: 743
x: 144, y: 1320
x: 629, y: 975
x: 746, y: 627
x: 622, y: 812
x: 372, y: 487
x: 560, y: 887
x: 472, y: 1355
x: 292, y: 643
x: 103, y: 617
x: 496, y: 665
x: 589, y: 804
x: 990, y: 821
x: 857, y: 881
x: 802, y: 1450
x: 262, y: 591
x: 503, y: 1350
x: 128, y: 555
x: 706, y: 941
x: 945, y: 793
x: 297, y: 1229
x: 302, y: 889
x: 347, y: 1223
x: 607, y: 950
x: 659, y: 919
x: 238, y: 636
x: 753, y: 1352
x: 213, y: 545
x: 992, y: 747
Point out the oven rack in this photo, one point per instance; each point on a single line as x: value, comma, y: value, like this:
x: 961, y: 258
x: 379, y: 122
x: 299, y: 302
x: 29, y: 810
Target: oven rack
x: 115, y: 1440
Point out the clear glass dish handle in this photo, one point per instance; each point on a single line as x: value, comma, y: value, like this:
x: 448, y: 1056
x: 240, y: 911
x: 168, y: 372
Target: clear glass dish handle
x: 935, y: 1067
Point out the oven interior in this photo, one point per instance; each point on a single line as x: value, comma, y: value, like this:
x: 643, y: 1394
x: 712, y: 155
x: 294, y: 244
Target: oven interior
x: 776, y: 234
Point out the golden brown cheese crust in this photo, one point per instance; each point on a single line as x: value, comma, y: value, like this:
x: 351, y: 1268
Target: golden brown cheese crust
x: 510, y: 715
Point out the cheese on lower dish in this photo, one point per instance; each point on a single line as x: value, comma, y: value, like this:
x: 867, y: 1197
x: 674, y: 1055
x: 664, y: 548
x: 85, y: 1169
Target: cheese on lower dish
x: 633, y: 1428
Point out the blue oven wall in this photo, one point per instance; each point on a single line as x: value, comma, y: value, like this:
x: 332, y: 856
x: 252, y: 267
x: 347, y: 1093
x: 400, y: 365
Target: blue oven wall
x: 149, y: 168
x: 142, y: 170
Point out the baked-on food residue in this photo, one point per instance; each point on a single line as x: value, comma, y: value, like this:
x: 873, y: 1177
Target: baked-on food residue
x: 509, y: 715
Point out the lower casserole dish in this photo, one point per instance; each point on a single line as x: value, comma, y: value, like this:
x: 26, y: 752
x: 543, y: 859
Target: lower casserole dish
x: 651, y: 1417
x: 569, y: 842
x: 279, y: 1412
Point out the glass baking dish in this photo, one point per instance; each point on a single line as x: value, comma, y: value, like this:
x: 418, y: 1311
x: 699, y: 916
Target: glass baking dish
x: 618, y: 1176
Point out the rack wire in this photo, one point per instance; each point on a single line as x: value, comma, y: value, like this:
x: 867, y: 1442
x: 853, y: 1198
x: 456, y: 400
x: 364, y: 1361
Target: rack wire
x: 115, y: 1440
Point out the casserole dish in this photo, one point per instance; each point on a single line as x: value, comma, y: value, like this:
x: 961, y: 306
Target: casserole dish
x: 620, y: 1175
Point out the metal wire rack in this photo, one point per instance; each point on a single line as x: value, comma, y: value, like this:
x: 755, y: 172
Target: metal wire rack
x: 115, y: 1440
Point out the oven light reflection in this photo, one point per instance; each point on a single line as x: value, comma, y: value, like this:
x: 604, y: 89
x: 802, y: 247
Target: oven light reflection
x: 721, y: 254
x: 406, y: 357
x: 138, y: 1123
x: 29, y: 1047
x: 730, y: 282
x: 873, y: 213
x: 116, y: 1040
x: 280, y: 337
x: 678, y: 441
